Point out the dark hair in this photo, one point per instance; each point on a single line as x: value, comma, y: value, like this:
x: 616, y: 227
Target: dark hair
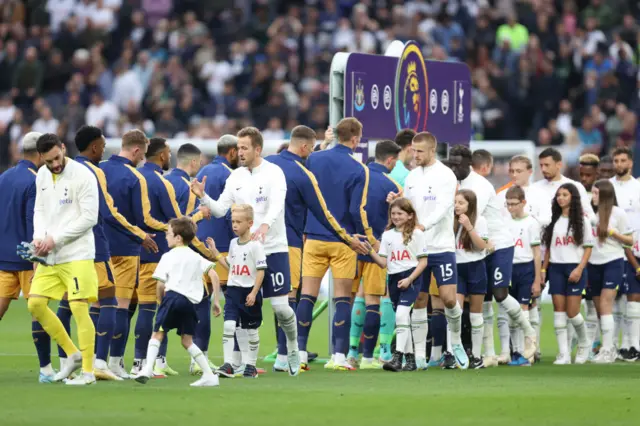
x: 515, y: 192
x: 404, y: 137
x: 386, y: 149
x: 405, y: 205
x: 607, y: 159
x: 576, y: 216
x: 461, y: 151
x: 481, y: 157
x: 85, y: 136
x: 156, y: 145
x: 472, y: 214
x: 184, y: 227
x: 303, y: 134
x: 47, y: 142
x: 622, y: 150
x: 606, y: 200
x: 188, y: 150
x: 551, y: 152
x: 253, y: 134
x: 283, y: 147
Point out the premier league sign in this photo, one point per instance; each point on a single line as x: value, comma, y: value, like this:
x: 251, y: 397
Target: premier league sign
x: 389, y: 93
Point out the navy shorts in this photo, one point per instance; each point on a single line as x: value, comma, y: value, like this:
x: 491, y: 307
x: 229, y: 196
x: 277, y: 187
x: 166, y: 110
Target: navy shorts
x: 403, y: 297
x: 606, y: 276
x: 235, y: 308
x: 176, y: 312
x: 558, y: 275
x: 500, y: 268
x: 277, y: 276
x: 472, y: 278
x: 521, y: 282
x: 632, y: 284
x: 443, y: 267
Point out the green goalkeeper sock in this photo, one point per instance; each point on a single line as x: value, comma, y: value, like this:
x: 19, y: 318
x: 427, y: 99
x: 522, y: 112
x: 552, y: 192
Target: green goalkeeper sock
x: 387, y: 322
x: 358, y: 313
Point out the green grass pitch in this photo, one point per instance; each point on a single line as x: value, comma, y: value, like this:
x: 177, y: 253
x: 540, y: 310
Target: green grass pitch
x: 543, y: 395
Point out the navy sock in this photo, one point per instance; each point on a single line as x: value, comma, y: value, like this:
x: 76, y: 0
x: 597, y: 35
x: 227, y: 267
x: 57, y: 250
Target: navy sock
x: 144, y: 329
x: 439, y: 328
x: 94, y: 314
x: 64, y: 314
x: 43, y: 343
x: 280, y: 336
x: 304, y: 313
x: 341, y: 324
x: 236, y: 347
x: 120, y: 332
x: 131, y: 312
x: 203, y: 328
x: 371, y: 330
x: 162, y: 352
x: 105, y: 326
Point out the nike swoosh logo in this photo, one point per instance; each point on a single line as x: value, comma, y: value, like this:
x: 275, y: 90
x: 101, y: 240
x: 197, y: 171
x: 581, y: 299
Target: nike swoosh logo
x: 304, y: 324
x: 35, y: 340
x: 338, y: 324
x: 368, y: 337
x: 137, y: 336
x: 447, y: 279
x: 104, y: 333
x: 575, y: 290
x: 498, y: 282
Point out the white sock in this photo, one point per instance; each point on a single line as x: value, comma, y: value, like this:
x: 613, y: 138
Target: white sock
x: 617, y: 321
x: 626, y: 324
x: 539, y: 328
x: 633, y: 313
x: 477, y: 333
x: 287, y: 320
x: 514, y: 310
x: 408, y: 347
x: 607, y: 325
x: 521, y: 333
x: 580, y: 329
x: 113, y: 360
x: 591, y: 320
x: 571, y: 333
x: 254, y: 346
x: 436, y: 353
x: 560, y: 325
x: 200, y: 359
x: 514, y: 332
x: 339, y: 358
x: 228, y: 332
x: 63, y: 362
x: 243, y: 343
x: 152, y: 353
x: 161, y: 362
x: 449, y: 339
x: 454, y: 320
x: 503, y: 329
x: 419, y: 330
x: 281, y: 358
x: 534, y: 320
x: 47, y: 370
x: 487, y: 341
x: 403, y: 327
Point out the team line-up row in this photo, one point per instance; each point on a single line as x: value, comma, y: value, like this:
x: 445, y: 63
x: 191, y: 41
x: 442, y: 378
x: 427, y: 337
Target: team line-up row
x: 437, y: 230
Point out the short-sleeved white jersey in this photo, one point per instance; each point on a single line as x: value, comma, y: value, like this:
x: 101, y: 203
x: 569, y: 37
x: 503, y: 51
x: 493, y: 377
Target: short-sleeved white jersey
x: 402, y: 257
x: 527, y: 232
x: 628, y: 196
x: 611, y: 249
x: 181, y: 270
x: 464, y: 256
x: 245, y: 259
x: 563, y: 246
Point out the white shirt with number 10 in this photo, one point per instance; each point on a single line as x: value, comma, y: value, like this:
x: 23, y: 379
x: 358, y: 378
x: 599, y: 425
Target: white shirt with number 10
x: 473, y: 255
x: 527, y: 234
x: 245, y: 259
x: 402, y: 257
x: 563, y: 244
x: 611, y: 249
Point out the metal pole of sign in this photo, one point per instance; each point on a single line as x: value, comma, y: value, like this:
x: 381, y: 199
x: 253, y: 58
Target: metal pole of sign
x: 331, y: 312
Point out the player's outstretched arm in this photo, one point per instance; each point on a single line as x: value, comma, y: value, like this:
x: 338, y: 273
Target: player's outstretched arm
x: 88, y: 200
x: 218, y: 207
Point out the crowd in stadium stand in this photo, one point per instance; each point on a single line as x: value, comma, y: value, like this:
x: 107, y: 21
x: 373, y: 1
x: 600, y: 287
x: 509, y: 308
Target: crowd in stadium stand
x: 555, y: 72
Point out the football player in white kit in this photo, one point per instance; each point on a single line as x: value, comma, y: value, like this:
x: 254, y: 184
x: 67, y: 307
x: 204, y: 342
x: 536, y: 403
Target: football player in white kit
x: 627, y: 312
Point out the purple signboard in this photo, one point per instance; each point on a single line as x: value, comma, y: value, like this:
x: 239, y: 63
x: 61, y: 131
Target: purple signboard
x: 388, y: 94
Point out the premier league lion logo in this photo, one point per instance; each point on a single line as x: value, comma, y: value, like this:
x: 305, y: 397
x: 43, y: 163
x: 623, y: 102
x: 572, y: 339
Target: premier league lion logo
x: 411, y: 88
